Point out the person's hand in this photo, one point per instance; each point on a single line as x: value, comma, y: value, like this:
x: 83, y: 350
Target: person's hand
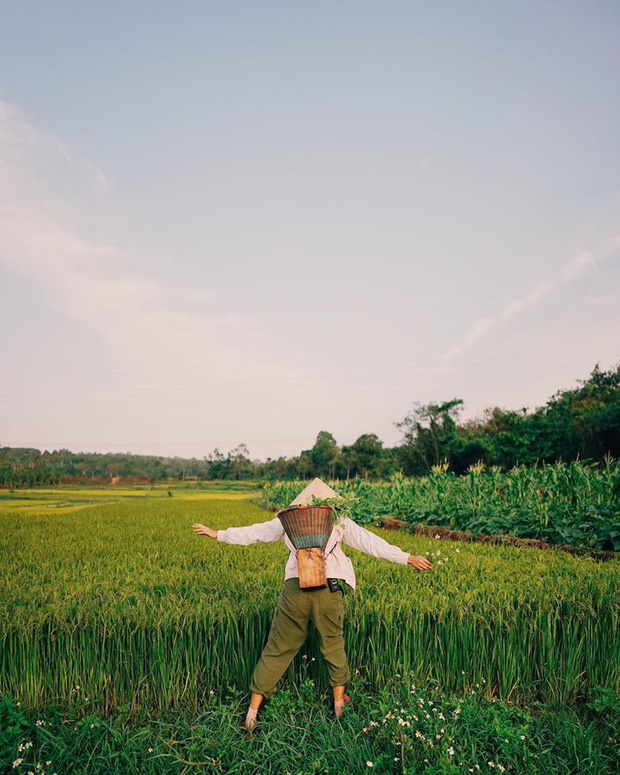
x: 204, y: 531
x: 419, y: 562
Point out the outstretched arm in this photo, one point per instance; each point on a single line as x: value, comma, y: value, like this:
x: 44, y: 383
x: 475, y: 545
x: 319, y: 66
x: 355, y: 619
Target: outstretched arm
x: 358, y: 537
x: 271, y: 530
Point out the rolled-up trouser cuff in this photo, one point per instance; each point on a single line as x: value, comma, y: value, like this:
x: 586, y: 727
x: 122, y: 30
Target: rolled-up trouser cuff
x: 257, y: 688
x: 340, y: 678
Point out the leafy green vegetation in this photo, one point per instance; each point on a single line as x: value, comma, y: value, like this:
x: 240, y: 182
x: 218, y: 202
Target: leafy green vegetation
x: 342, y: 506
x: 397, y: 727
x: 575, y: 503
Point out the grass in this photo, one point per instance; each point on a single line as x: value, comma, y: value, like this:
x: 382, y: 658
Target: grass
x: 395, y: 728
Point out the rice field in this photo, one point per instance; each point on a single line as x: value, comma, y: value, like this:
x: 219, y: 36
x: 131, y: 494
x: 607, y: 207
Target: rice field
x: 110, y: 599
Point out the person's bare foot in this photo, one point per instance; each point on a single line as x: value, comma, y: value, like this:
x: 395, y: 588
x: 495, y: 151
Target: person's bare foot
x: 249, y: 727
x: 339, y: 705
x: 250, y: 719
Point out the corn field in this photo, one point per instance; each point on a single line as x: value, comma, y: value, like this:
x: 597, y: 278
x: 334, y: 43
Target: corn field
x: 121, y: 604
x: 575, y: 503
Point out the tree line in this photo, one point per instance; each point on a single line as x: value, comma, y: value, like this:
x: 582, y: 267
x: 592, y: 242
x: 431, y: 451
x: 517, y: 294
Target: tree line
x: 582, y: 423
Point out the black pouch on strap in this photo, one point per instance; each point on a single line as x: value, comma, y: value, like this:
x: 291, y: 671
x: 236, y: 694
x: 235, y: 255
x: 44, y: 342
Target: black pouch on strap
x: 334, y: 586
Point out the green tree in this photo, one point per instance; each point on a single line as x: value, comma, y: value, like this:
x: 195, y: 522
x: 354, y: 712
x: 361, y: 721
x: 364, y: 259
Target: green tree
x: 240, y: 463
x: 429, y: 432
x: 365, y: 457
x: 324, y: 455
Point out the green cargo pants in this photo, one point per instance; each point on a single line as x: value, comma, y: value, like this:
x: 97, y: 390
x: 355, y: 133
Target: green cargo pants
x: 289, y: 629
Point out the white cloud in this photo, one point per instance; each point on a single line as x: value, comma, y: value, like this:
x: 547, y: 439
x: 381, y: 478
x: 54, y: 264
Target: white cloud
x: 23, y: 146
x: 570, y: 270
x: 97, y: 285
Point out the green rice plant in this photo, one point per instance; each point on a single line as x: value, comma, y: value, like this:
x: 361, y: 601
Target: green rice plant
x: 122, y: 604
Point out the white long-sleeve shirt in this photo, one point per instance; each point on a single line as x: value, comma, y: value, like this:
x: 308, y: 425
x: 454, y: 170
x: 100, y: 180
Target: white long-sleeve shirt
x: 337, y: 564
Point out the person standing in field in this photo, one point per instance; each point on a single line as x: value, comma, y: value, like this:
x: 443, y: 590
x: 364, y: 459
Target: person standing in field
x: 295, y: 608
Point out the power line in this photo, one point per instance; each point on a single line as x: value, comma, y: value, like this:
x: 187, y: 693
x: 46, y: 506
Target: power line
x: 356, y: 368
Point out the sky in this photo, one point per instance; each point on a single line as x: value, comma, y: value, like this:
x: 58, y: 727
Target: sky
x: 226, y: 223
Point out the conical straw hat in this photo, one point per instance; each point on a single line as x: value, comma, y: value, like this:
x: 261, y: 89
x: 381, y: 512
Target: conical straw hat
x: 316, y: 487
